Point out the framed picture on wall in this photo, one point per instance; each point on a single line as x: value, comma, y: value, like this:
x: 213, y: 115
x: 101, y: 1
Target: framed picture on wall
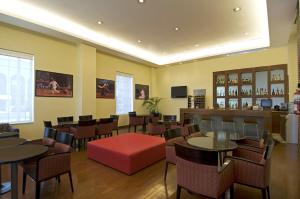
x: 51, y: 84
x: 141, y: 92
x: 105, y: 88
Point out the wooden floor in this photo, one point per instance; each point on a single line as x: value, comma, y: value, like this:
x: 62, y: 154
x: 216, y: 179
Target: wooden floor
x: 93, y: 181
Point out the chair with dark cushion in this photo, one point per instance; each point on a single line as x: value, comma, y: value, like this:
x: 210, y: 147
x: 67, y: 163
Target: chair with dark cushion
x: 47, y: 124
x: 171, y: 136
x: 49, y: 166
x: 64, y: 138
x: 253, y: 168
x: 48, y: 139
x: 61, y: 120
x: 115, y: 122
x: 198, y: 172
x: 105, y: 127
x: 84, y: 131
x: 170, y: 118
x: 6, y: 127
x: 156, y: 129
x: 194, y: 130
x: 135, y: 120
x: 85, y: 117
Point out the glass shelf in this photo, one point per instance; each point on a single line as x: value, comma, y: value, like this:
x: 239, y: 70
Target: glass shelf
x: 233, y: 103
x: 277, y: 89
x: 277, y: 101
x: 221, y: 102
x: 233, y: 91
x: 277, y: 75
x: 220, y: 91
x: 233, y: 78
x: 246, y: 78
x: 246, y: 90
x: 220, y: 80
x: 246, y: 102
x: 261, y: 83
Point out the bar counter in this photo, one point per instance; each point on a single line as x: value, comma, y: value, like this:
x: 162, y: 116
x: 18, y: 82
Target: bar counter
x: 263, y: 118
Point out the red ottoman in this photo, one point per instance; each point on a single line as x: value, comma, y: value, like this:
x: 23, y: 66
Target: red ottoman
x: 128, y: 152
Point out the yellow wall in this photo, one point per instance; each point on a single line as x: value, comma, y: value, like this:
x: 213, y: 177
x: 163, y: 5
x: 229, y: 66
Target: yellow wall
x: 107, y: 67
x: 50, y: 55
x: 292, y: 63
x: 199, y: 74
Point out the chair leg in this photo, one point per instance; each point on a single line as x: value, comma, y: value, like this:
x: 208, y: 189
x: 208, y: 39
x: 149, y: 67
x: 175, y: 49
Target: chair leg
x: 24, y: 182
x: 117, y: 131
x: 37, y: 190
x: 71, y: 181
x: 263, y: 191
x: 178, y: 192
x: 268, y: 192
x: 232, y: 191
x: 166, y: 170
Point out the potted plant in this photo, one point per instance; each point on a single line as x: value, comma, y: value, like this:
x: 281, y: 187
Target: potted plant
x: 152, y: 105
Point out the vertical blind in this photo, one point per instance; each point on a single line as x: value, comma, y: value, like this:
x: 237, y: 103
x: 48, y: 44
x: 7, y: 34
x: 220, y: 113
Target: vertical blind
x: 16, y: 87
x: 124, y: 93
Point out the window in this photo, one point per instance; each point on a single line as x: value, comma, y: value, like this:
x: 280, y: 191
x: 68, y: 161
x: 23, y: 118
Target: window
x: 124, y: 93
x: 16, y: 87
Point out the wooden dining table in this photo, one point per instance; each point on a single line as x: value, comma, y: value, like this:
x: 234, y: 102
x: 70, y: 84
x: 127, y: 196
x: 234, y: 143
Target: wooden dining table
x: 15, y: 153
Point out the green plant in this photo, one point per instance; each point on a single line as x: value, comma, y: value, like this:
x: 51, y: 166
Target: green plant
x: 152, y: 104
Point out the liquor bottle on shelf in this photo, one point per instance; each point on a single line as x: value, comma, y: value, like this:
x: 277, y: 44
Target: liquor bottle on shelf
x: 257, y: 92
x: 266, y: 92
x: 277, y: 91
x: 281, y: 92
x: 236, y: 93
x: 250, y: 91
x: 273, y: 92
x: 273, y: 77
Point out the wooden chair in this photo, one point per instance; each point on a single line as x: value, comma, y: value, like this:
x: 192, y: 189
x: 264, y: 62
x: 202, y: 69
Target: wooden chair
x: 198, y: 172
x: 115, y: 122
x: 84, y: 131
x: 64, y: 138
x: 85, y: 117
x: 48, y: 124
x: 135, y: 120
x: 49, y: 166
x: 104, y: 127
x: 156, y: 129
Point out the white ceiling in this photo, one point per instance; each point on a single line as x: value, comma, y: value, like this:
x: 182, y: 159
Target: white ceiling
x: 203, y: 24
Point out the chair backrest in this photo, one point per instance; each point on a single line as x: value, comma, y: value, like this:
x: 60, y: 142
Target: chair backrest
x: 114, y: 117
x: 65, y: 119
x: 172, y: 133
x: 170, y: 118
x: 132, y: 114
x: 62, y: 148
x: 85, y: 117
x: 48, y: 124
x: 269, y: 147
x: 64, y: 138
x: 105, y: 120
x: 50, y: 133
x: 196, y: 155
x: 86, y: 122
x: 194, y: 128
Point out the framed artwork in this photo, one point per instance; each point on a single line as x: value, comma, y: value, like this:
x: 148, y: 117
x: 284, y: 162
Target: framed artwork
x: 105, y: 88
x: 141, y: 92
x: 51, y: 84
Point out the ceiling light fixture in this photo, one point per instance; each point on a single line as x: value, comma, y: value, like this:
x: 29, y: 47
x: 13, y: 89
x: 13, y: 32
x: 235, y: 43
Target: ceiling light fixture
x: 33, y: 14
x: 141, y: 1
x: 139, y: 41
x: 236, y: 9
x: 176, y: 28
x: 99, y: 22
x: 196, y: 45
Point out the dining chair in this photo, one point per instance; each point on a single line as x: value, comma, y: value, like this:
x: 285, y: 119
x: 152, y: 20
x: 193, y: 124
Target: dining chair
x: 171, y: 136
x: 198, y: 172
x: 64, y: 138
x: 48, y: 124
x: 61, y: 120
x: 135, y: 120
x: 85, y: 117
x: 156, y: 129
x: 104, y: 127
x: 253, y: 169
x: 48, y: 166
x: 115, y: 122
x: 84, y: 131
x: 170, y: 118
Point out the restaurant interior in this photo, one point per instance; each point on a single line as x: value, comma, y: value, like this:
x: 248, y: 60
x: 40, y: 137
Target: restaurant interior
x: 149, y: 99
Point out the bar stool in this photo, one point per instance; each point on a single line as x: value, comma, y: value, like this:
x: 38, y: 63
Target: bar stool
x: 248, y: 123
x: 207, y: 120
x: 228, y: 121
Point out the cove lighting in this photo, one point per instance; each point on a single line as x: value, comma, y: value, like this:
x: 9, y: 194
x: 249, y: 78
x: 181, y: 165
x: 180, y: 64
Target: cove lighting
x: 43, y: 17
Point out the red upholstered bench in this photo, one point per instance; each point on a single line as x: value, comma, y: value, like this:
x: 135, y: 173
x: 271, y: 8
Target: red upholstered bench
x: 128, y: 152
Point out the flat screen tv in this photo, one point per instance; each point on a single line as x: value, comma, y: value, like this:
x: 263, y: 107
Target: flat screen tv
x: 266, y: 103
x: 179, y: 92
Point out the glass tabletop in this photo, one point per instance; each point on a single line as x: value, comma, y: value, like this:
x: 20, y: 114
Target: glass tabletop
x: 213, y: 141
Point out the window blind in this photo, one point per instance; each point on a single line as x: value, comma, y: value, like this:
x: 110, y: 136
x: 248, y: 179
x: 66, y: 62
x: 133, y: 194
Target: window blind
x: 124, y: 93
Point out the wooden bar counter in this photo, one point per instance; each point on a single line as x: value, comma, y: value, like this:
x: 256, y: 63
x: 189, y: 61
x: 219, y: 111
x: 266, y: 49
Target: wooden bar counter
x: 264, y: 116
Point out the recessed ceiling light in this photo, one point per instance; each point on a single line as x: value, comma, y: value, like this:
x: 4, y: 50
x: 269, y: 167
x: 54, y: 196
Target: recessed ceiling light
x: 246, y: 33
x: 141, y: 1
x: 99, y: 22
x: 196, y: 45
x: 139, y: 41
x: 236, y: 9
x: 176, y: 28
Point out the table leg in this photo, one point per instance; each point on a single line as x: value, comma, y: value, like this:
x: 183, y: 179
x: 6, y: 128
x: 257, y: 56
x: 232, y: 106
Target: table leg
x: 4, y: 187
x: 14, y: 180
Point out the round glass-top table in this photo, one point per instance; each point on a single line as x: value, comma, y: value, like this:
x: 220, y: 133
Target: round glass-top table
x: 233, y: 136
x: 212, y: 144
x: 8, y: 142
